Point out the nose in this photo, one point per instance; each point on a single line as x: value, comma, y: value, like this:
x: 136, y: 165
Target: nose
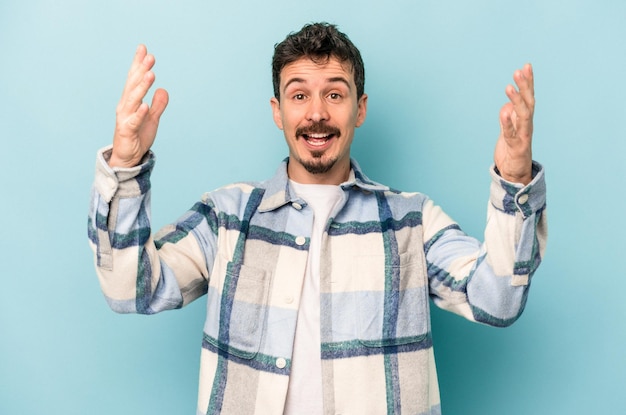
x: 317, y: 110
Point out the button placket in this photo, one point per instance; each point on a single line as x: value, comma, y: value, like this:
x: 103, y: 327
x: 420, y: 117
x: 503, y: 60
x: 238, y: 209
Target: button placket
x: 522, y: 199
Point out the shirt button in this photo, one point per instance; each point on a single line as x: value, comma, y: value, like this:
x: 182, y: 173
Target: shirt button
x: 523, y: 198
x: 289, y: 299
x: 281, y: 363
x: 300, y: 240
x: 297, y: 205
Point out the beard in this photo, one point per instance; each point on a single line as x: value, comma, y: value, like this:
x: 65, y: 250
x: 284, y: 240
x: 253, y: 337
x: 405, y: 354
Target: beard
x: 318, y: 164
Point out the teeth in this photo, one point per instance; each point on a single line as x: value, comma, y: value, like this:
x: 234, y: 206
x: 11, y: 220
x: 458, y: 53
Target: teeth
x: 317, y: 139
x: 317, y: 142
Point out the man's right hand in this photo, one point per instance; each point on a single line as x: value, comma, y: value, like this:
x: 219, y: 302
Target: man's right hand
x: 136, y: 123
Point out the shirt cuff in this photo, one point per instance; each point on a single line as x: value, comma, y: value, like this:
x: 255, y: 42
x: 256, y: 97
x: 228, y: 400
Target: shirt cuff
x: 512, y: 198
x: 119, y: 181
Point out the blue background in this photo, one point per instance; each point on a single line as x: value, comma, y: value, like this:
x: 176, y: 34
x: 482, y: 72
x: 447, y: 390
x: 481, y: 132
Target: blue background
x: 435, y: 75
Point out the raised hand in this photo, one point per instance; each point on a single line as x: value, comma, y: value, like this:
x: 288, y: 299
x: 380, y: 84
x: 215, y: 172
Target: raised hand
x: 136, y: 123
x: 513, y: 154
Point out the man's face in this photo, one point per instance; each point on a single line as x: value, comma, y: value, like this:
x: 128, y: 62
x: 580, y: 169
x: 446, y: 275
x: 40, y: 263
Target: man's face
x: 318, y: 112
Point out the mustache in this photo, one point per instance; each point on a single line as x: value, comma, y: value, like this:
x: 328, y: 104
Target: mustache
x: 318, y: 127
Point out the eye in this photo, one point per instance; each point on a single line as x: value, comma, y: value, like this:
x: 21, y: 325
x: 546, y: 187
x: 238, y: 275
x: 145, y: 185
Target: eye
x: 334, y: 96
x: 299, y: 97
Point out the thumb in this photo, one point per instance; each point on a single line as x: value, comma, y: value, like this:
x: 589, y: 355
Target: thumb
x: 159, y: 103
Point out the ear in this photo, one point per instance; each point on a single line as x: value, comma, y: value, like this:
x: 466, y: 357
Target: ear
x: 278, y: 119
x: 361, y: 110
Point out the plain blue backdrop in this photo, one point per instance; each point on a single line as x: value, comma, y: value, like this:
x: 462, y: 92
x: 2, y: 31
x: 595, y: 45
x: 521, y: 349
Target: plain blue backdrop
x: 435, y: 75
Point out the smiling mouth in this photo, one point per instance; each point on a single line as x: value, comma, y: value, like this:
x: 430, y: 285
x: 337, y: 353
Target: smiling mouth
x: 317, y: 134
x: 317, y: 140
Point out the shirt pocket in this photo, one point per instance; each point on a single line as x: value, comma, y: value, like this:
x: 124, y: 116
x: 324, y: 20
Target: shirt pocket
x: 242, y: 310
x: 392, y: 300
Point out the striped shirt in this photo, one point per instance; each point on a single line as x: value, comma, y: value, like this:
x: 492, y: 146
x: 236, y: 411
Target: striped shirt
x: 384, y: 253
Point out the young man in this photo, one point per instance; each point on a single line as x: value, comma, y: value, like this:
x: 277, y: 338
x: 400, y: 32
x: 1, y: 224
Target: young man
x: 317, y: 280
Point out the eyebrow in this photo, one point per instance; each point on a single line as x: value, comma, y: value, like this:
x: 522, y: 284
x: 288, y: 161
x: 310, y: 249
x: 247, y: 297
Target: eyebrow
x: 340, y: 79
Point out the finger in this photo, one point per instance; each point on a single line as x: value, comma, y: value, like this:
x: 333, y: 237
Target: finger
x: 530, y: 75
x: 528, y: 72
x: 524, y: 80
x: 521, y: 106
x: 142, y: 64
x: 159, y: 103
x: 506, y: 122
x: 134, y: 97
x: 140, y: 54
x: 519, y: 115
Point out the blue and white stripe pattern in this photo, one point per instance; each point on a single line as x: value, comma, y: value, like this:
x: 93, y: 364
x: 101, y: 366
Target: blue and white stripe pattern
x: 384, y: 255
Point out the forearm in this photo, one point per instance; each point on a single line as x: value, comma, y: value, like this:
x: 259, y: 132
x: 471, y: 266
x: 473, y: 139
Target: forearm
x: 134, y: 274
x: 488, y: 282
x: 515, y: 240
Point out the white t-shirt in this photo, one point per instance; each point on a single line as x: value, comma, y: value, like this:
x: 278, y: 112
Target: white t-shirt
x: 304, y: 396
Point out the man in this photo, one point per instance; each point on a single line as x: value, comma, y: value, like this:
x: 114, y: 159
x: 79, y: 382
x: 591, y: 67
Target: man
x: 318, y: 280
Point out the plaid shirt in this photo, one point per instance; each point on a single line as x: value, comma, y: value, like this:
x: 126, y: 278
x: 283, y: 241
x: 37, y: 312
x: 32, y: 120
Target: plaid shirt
x: 384, y: 254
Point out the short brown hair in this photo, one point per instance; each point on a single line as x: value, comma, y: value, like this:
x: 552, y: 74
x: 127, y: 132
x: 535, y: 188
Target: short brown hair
x: 318, y: 42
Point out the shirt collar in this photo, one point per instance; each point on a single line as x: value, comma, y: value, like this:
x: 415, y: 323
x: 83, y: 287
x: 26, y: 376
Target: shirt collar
x: 278, y: 193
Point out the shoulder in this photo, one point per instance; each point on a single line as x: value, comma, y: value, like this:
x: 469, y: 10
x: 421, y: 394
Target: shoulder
x: 230, y: 197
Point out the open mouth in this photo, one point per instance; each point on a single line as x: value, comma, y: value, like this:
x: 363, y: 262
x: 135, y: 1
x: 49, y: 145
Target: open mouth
x: 318, y: 134
x: 317, y: 139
